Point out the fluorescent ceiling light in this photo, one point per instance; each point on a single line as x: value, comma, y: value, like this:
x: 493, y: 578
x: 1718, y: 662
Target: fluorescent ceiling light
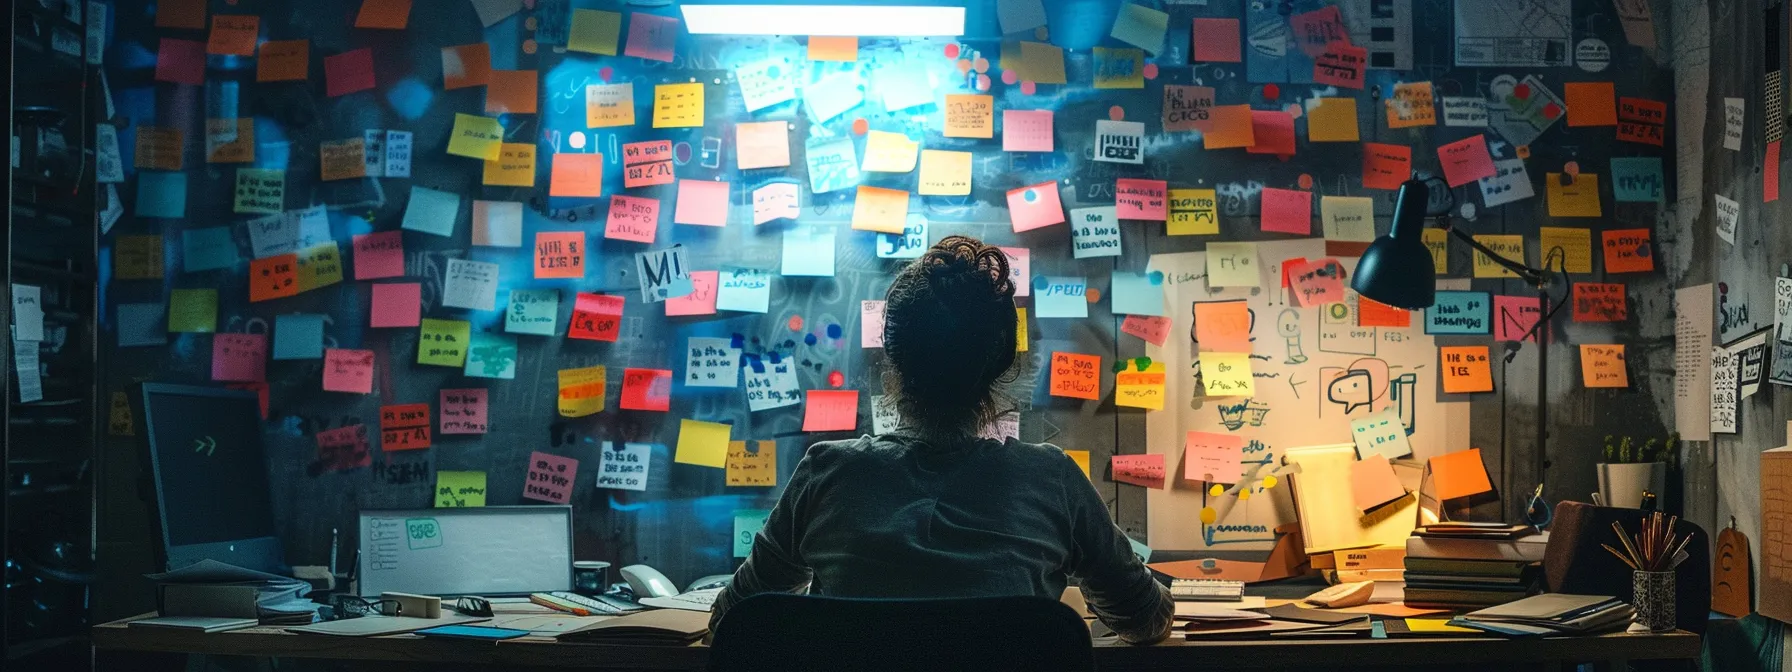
x: 826, y: 20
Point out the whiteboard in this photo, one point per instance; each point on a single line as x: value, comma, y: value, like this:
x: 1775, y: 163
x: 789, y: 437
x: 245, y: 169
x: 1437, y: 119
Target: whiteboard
x: 489, y: 551
x: 1297, y: 354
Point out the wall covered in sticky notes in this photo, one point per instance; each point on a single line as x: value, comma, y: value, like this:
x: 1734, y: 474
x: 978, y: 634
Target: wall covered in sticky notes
x: 715, y: 210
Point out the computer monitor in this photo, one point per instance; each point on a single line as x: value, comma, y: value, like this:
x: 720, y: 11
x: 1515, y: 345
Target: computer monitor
x: 211, y: 477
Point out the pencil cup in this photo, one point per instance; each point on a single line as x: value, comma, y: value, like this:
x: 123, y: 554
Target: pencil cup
x: 1654, y: 599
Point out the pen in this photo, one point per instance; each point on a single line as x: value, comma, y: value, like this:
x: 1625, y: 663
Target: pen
x: 335, y: 546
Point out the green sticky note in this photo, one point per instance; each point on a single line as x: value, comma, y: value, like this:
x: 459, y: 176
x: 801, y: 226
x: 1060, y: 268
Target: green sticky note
x: 594, y: 31
x: 491, y: 356
x: 193, y: 311
x: 747, y: 523
x: 459, y: 489
x: 443, y: 342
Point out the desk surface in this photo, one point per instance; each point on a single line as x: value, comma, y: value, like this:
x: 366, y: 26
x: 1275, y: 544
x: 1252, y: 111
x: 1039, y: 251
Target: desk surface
x: 1109, y: 654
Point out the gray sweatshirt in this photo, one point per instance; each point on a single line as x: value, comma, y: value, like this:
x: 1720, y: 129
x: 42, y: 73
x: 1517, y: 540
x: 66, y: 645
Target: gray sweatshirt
x: 892, y: 516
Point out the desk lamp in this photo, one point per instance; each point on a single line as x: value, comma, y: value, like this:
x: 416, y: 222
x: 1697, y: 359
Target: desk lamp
x: 1397, y: 270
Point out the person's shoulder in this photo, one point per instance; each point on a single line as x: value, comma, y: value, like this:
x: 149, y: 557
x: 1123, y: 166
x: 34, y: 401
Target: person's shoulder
x: 1044, y: 454
x: 845, y: 449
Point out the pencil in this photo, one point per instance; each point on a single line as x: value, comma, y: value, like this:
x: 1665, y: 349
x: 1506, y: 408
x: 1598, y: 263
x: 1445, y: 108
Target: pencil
x: 1620, y: 555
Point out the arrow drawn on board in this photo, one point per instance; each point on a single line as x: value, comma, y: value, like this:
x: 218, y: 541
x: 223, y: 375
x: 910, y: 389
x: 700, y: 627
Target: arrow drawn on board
x: 207, y: 445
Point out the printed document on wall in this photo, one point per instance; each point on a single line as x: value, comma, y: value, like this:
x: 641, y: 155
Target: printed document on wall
x: 1692, y: 364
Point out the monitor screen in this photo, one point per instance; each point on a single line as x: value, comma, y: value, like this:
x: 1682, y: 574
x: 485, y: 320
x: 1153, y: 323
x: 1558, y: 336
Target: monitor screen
x: 211, y: 474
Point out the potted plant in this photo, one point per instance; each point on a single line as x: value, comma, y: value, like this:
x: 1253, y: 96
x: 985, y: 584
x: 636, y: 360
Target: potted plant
x: 1628, y: 471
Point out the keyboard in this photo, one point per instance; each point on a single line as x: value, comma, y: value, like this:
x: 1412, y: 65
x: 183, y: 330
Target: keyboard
x: 1206, y: 590
x: 600, y: 605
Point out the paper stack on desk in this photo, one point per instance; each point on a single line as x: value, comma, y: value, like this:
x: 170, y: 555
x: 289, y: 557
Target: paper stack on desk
x: 279, y: 600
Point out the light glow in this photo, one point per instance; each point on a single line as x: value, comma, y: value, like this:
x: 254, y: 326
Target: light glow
x: 824, y: 20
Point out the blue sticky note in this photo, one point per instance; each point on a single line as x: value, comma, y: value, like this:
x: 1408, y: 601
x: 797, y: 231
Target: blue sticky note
x: 809, y: 251
x: 833, y: 164
x: 1637, y: 180
x: 298, y: 336
x: 491, y: 356
x: 1136, y: 294
x: 744, y: 290
x: 747, y: 524
x: 1460, y: 313
x: 906, y: 245
x: 431, y: 211
x: 208, y: 249
x: 161, y: 195
x: 1060, y: 296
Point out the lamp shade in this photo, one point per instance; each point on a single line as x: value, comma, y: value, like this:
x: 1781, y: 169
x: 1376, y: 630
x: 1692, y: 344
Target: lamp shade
x: 1396, y: 269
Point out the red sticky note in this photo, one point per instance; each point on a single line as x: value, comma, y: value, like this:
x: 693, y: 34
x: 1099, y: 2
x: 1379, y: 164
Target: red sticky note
x: 560, y: 254
x: 343, y: 448
x: 379, y: 255
x: 463, y: 411
x: 1141, y: 199
x: 651, y: 36
x: 1514, y: 317
x: 550, y: 478
x: 596, y: 317
x: 1076, y: 376
x: 181, y: 62
x: 1316, y: 30
x: 1629, y: 251
x: 1288, y: 265
x: 1317, y: 283
x: 466, y: 65
x: 1341, y: 65
x: 404, y: 427
x: 1600, y: 302
x: 1466, y: 160
x: 577, y: 175
x: 701, y: 300
x: 1770, y: 174
x: 1141, y: 470
x: 1154, y: 330
x: 273, y: 277
x: 1288, y: 211
x: 633, y: 218
x: 1223, y: 326
x: 1386, y: 166
x: 647, y: 389
x: 1372, y: 313
x: 701, y: 202
x: 1217, y: 41
x: 830, y: 410
x: 398, y: 304
x: 646, y: 164
x: 1590, y: 103
x: 239, y: 357
x: 348, y: 72
x: 348, y: 371
x: 1641, y: 120
x: 1273, y: 131
x: 1035, y: 207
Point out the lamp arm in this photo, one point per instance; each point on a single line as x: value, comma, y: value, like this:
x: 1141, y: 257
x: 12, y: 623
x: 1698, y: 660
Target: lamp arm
x: 1535, y: 277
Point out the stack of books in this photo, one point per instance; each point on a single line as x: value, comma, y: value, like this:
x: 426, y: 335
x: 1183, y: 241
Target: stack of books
x: 1551, y: 614
x: 1472, y: 565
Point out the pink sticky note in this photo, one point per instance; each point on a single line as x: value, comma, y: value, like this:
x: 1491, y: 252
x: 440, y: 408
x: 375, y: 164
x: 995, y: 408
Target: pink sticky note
x: 651, y: 36
x: 1316, y: 283
x: 1318, y: 29
x: 871, y: 324
x: 1035, y: 207
x: 1770, y: 174
x: 550, y: 478
x: 701, y: 202
x: 1217, y: 41
x: 463, y: 411
x: 1274, y: 132
x: 348, y: 371
x: 1155, y: 330
x: 831, y: 410
x: 1288, y: 211
x: 1514, y: 316
x: 239, y: 357
x: 343, y: 448
x: 633, y: 218
x: 181, y: 62
x: 1140, y: 199
x: 1213, y: 458
x: 348, y: 72
x: 647, y: 389
x: 1142, y: 470
x: 1466, y: 160
x: 701, y: 300
x: 379, y: 255
x: 1020, y: 269
x: 398, y: 304
x: 1027, y: 130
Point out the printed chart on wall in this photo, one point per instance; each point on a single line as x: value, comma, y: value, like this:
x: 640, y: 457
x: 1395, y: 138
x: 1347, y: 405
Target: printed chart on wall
x: 1312, y: 372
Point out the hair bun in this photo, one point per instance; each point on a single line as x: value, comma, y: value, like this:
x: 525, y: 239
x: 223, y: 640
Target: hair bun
x: 960, y: 262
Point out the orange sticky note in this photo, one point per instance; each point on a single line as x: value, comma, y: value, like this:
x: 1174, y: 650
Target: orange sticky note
x: 1629, y: 251
x: 404, y: 427
x: 384, y: 14
x: 1459, y: 474
x: 577, y: 175
x: 1076, y: 376
x: 515, y: 166
x: 1466, y: 369
x: 836, y: 49
x: 881, y: 210
x: 342, y: 159
x: 1590, y: 103
x: 560, y: 254
x: 1223, y: 326
x: 466, y: 65
x: 647, y: 389
x: 762, y: 144
x: 189, y: 14
x: 512, y: 92
x: 273, y: 277
x: 1230, y: 128
x: 233, y: 34
x: 970, y: 116
x: 1603, y: 366
x: 1372, y: 313
x: 283, y: 61
x: 830, y: 410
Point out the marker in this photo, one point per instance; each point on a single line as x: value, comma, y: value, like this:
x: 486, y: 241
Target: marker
x: 335, y: 545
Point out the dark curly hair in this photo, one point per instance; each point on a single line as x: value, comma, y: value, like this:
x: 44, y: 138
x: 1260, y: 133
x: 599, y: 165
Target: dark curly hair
x: 949, y: 330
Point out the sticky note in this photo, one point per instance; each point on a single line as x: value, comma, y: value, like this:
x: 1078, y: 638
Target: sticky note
x: 1187, y: 108
x: 137, y: 258
x: 596, y: 317
x: 1600, y: 302
x: 1578, y: 198
x: 581, y: 391
x: 702, y: 202
x: 1411, y: 105
x: 1315, y: 30
x: 273, y: 277
x: 1629, y: 251
x: 762, y: 144
x: 348, y: 72
x: 945, y: 173
x: 663, y: 274
x: 594, y: 32
x: 809, y: 251
x: 778, y: 200
x: 1380, y: 434
x: 162, y: 195
x: 1141, y: 26
x: 443, y: 342
x: 1140, y: 199
x: 1372, y: 313
x: 189, y: 14
x: 181, y: 62
x: 712, y: 362
x: 747, y: 524
x: 257, y: 191
x: 1020, y: 329
x: 1386, y: 166
x: 1590, y: 104
x: 463, y: 411
x: 1137, y: 293
x: 744, y: 290
x: 887, y: 152
x: 1140, y: 389
x: 319, y: 266
x: 1514, y: 317
x: 379, y: 255
x: 1216, y: 41
x: 1027, y: 131
x: 342, y: 159
x: 833, y: 164
x: 1060, y: 296
x: 233, y: 35
x: 460, y: 489
x: 1459, y: 313
x: 348, y: 371
x: 1119, y: 68
x: 577, y: 176
x: 756, y: 467
x: 1094, y: 232
x: 1040, y: 63
x: 1141, y: 470
x: 239, y: 357
x: 1639, y: 179
x: 476, y: 137
x: 970, y: 116
x: 833, y: 96
x: 1020, y: 269
x: 404, y: 427
x: 1437, y: 242
x: 880, y: 209
x: 515, y: 166
x: 469, y: 284
x: 1272, y: 132
x: 283, y: 61
x: 396, y: 305
x: 647, y: 389
x: 550, y: 478
x: 764, y: 84
x: 1230, y: 127
x: 1223, y: 326
x: 1466, y: 369
x: 840, y: 49
x: 1035, y: 207
x: 1212, y: 458
x: 704, y: 444
x: 1347, y: 218
x: 1466, y: 160
x: 624, y: 466
x: 1232, y: 265
x: 1332, y: 120
x: 1576, y: 247
x: 343, y: 448
x: 1076, y: 375
x: 651, y: 36
x: 609, y: 105
x: 632, y: 218
x: 1509, y: 247
x: 560, y: 254
x: 432, y: 211
x: 771, y: 383
x: 701, y: 300
x: 1193, y: 212
x: 1342, y: 65
x: 1227, y: 374
x: 1459, y: 474
x: 1287, y: 211
x: 830, y: 410
x: 678, y: 105
x: 532, y: 311
x: 1642, y: 121
x: 158, y: 148
x: 1603, y: 366
x: 384, y: 14
x: 466, y: 66
x: 1316, y: 283
x: 298, y: 336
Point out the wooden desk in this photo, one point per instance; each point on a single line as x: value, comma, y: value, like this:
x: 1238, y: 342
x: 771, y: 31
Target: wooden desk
x: 1455, y: 653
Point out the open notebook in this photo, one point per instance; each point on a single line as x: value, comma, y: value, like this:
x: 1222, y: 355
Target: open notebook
x: 660, y: 626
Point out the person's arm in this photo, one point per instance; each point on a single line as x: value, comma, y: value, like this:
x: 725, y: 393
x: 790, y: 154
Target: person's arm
x: 1118, y: 587
x: 774, y: 565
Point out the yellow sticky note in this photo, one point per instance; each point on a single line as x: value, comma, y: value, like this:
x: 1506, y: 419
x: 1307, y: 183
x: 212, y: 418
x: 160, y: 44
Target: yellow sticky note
x: 945, y: 173
x: 757, y: 468
x: 970, y: 116
x: 678, y: 105
x: 1020, y: 330
x: 319, y: 266
x: 1119, y: 68
x: 1081, y: 458
x: 1040, y: 63
x: 1509, y: 247
x: 1227, y: 374
x: 1576, y: 246
x: 594, y: 31
x: 704, y: 444
x: 443, y: 342
x: 1347, y: 218
x: 887, y: 152
x: 1233, y: 265
x: 608, y: 105
x: 841, y: 49
x: 581, y: 391
x: 1141, y: 389
x: 879, y: 209
x: 515, y: 166
x: 1193, y: 212
x: 476, y: 137
x: 458, y: 489
x: 1603, y: 366
x: 1333, y: 120
x: 1579, y: 198
x: 1436, y: 625
x: 1437, y: 242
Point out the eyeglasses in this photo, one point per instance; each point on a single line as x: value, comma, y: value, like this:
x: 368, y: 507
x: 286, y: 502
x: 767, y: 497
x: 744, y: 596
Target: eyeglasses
x: 474, y: 606
x: 350, y: 606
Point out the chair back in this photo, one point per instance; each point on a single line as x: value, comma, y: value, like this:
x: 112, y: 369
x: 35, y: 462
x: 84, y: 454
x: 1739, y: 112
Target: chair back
x: 1575, y: 563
